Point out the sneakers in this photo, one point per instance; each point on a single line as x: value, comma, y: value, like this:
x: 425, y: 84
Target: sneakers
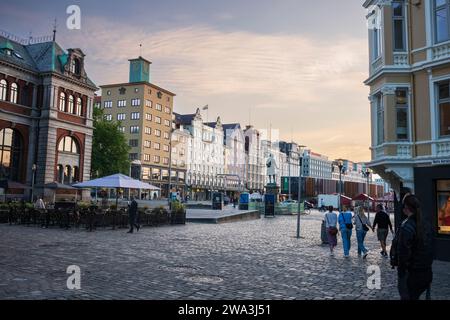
x: 365, y: 255
x: 138, y: 227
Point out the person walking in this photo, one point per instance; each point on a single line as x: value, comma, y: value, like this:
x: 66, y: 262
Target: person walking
x: 331, y: 220
x: 361, y: 227
x: 412, y: 252
x: 346, y: 226
x: 383, y: 222
x: 133, y: 215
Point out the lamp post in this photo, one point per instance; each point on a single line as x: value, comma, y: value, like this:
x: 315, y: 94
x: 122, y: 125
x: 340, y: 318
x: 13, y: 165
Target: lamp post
x: 340, y: 166
x: 366, y: 174
x: 33, y: 169
x: 300, y: 161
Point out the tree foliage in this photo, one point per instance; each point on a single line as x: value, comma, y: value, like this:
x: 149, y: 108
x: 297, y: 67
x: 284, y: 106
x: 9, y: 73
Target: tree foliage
x: 109, y: 147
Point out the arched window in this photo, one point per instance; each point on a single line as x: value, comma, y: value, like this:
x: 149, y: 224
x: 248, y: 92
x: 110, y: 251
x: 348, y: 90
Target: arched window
x: 76, y: 174
x: 10, y: 154
x: 67, y: 174
x: 60, y: 174
x: 62, y: 101
x: 78, y: 107
x: 70, y: 110
x: 3, y: 89
x: 69, y: 145
x: 13, y: 93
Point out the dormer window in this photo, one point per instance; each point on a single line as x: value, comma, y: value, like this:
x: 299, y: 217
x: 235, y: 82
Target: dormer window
x: 75, y: 66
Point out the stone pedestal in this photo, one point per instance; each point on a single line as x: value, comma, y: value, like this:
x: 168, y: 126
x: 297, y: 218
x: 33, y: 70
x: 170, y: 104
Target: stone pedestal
x: 271, y: 199
x: 272, y: 188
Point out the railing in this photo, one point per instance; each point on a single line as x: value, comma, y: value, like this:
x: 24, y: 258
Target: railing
x: 442, y: 51
x: 404, y: 151
x: 443, y: 148
x: 379, y: 152
x: 401, y: 59
x: 25, y: 42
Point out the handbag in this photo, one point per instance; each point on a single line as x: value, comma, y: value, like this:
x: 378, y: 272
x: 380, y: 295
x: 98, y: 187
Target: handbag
x: 365, y: 227
x: 332, y: 230
x: 349, y: 226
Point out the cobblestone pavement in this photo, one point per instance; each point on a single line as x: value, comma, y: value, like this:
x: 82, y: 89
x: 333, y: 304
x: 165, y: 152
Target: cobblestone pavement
x: 259, y: 259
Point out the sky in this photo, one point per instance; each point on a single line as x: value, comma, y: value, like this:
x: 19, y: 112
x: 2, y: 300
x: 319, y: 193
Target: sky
x: 296, y: 66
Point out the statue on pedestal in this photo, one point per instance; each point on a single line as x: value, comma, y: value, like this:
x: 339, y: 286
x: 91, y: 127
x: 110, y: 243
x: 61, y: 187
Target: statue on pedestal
x: 272, y: 169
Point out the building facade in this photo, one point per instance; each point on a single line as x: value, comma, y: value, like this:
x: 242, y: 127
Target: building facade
x: 254, y: 166
x: 46, y: 104
x: 205, y: 155
x: 145, y: 112
x: 234, y: 147
x: 409, y: 80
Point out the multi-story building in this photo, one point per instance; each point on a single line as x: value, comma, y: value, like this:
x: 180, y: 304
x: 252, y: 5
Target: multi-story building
x: 254, y: 166
x: 205, y: 155
x: 409, y: 80
x: 46, y: 101
x: 145, y: 113
x: 316, y: 165
x: 178, y: 157
x: 234, y: 144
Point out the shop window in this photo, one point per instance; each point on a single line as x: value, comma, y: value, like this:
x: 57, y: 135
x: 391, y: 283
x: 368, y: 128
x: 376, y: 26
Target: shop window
x: 443, y: 205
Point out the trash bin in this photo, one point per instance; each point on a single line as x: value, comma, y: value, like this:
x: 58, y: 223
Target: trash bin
x: 217, y: 201
x: 324, y: 233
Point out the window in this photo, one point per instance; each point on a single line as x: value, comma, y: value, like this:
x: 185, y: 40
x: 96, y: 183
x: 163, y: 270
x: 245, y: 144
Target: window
x: 67, y: 174
x: 156, y: 173
x: 167, y: 123
x: 3, y: 89
x: 380, y: 119
x: 157, y: 133
x: 174, y: 162
x: 135, y: 102
x: 60, y: 173
x: 147, y: 144
x: 133, y: 156
x: 75, y: 66
x: 166, y: 135
x: 62, y: 101
x: 135, y: 115
x: 121, y: 103
x: 136, y: 90
x: 134, y: 142
x: 70, y: 109
x: 148, y: 117
x: 399, y: 26
x: 79, y: 107
x: 402, y: 114
x: 376, y: 43
x: 165, y: 160
x: 108, y: 117
x: 158, y: 120
x: 121, y: 116
x: 443, y: 206
x: 441, y: 20
x: 10, y: 154
x: 148, y: 103
x: 108, y: 92
x: 444, y: 109
x: 68, y: 144
x: 107, y: 104
x: 148, y: 130
x: 76, y: 174
x: 156, y: 146
x: 166, y: 148
x: 122, y: 129
x: 167, y: 110
x: 165, y: 174
x: 158, y: 107
x: 156, y: 159
x: 147, y: 157
x: 134, y: 129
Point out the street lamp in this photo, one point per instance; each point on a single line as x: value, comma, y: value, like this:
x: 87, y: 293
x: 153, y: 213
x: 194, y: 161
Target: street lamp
x: 366, y: 174
x: 300, y: 167
x: 33, y: 169
x: 340, y: 166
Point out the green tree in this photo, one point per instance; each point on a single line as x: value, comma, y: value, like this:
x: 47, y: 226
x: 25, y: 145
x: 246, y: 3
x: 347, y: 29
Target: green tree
x: 109, y: 147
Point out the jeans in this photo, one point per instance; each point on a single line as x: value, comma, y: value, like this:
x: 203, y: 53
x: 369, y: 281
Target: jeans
x: 360, y: 236
x: 346, y: 236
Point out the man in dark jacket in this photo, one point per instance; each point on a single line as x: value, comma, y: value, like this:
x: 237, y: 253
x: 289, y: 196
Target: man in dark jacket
x: 383, y: 222
x: 412, y: 252
x: 132, y: 215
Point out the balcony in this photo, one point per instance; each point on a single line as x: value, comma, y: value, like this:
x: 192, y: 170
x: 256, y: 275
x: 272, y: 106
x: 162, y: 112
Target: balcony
x: 401, y: 59
x: 443, y: 148
x: 441, y: 51
x: 404, y: 151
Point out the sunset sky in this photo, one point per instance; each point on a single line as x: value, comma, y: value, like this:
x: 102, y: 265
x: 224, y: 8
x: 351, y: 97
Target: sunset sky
x: 295, y: 65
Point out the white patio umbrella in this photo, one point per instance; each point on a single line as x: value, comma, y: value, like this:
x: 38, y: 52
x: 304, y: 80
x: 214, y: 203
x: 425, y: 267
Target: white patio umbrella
x: 116, y: 181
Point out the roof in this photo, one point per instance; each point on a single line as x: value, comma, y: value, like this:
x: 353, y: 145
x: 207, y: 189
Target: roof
x: 231, y: 126
x: 137, y: 83
x: 184, y: 119
x: 38, y: 57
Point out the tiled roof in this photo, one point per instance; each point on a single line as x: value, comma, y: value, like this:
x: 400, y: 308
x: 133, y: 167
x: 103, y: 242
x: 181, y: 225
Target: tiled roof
x: 184, y: 119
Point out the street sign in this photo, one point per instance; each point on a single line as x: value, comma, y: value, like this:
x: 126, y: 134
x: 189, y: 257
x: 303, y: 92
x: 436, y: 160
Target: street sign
x: 441, y: 162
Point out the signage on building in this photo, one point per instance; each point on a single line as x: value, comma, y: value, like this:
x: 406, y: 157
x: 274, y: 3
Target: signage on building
x: 441, y: 162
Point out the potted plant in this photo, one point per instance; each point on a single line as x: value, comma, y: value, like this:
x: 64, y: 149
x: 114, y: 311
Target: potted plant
x: 178, y: 213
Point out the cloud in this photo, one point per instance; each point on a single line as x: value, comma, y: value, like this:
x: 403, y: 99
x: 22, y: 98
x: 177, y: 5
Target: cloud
x: 284, y: 78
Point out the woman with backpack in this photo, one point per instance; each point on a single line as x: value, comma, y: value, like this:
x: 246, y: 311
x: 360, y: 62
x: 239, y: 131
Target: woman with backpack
x: 346, y: 226
x: 361, y: 226
x: 331, y: 227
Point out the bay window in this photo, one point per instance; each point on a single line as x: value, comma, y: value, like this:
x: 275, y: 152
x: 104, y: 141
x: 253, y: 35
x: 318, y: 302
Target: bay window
x: 441, y: 20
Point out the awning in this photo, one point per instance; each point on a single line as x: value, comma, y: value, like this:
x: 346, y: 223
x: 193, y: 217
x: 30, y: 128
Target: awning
x: 363, y: 197
x: 116, y: 181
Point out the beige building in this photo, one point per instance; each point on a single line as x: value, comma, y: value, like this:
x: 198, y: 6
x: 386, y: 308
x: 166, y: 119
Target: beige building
x: 409, y: 80
x: 145, y: 112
